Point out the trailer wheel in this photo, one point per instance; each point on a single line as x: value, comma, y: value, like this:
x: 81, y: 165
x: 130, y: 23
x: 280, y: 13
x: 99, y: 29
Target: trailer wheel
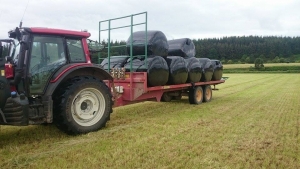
x: 85, y: 105
x: 166, y: 97
x: 177, y: 97
x: 207, y: 93
x: 196, y: 95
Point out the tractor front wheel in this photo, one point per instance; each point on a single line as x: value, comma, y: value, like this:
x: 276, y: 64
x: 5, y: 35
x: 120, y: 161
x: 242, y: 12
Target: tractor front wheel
x: 85, y: 105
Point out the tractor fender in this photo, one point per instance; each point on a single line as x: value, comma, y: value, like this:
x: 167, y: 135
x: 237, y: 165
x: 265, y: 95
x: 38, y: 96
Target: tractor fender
x: 75, y: 69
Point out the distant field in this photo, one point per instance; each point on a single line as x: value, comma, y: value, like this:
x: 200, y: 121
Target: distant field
x: 253, y: 121
x: 234, y: 66
x: 268, y: 68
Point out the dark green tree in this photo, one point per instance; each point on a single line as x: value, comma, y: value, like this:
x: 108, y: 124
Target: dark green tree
x: 259, y: 63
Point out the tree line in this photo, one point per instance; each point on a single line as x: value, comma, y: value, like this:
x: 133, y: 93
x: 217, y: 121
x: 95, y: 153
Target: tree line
x: 246, y: 49
x: 238, y: 49
x: 235, y: 49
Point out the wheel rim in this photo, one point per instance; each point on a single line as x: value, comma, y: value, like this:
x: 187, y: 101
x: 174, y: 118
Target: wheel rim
x: 208, y: 93
x: 88, y: 107
x: 199, y: 95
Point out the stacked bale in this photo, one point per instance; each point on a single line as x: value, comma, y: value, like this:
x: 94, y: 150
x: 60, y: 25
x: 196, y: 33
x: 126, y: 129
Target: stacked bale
x: 157, y: 43
x: 218, y: 69
x: 181, y: 47
x: 168, y: 62
x: 156, y: 68
x: 115, y: 62
x: 194, y: 70
x: 207, y: 69
x: 178, y: 70
x: 184, y: 48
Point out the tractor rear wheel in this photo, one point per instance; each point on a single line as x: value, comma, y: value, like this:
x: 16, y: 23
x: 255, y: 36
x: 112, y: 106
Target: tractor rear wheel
x: 84, y: 105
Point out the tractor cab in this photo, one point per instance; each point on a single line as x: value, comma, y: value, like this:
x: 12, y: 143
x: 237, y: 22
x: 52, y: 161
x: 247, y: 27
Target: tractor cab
x: 38, y: 62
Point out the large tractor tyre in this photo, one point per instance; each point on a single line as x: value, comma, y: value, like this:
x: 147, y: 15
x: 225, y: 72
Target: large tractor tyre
x: 83, y: 105
x: 207, y: 93
x: 196, y: 95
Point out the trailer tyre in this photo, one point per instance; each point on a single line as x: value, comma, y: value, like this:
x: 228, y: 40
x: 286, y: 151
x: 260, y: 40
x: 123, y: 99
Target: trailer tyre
x: 84, y: 106
x: 166, y: 97
x: 207, y: 93
x: 196, y: 95
x: 177, y: 97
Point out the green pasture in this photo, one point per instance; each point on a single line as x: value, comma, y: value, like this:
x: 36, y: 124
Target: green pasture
x: 268, y: 68
x: 253, y: 121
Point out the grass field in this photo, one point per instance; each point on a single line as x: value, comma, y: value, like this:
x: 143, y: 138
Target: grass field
x: 253, y: 121
x: 234, y: 66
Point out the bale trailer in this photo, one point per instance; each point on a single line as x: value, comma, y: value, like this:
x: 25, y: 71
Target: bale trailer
x: 48, y: 77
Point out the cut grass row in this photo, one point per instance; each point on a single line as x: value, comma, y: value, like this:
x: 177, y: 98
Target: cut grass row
x: 233, y: 66
x: 268, y: 68
x: 253, y: 121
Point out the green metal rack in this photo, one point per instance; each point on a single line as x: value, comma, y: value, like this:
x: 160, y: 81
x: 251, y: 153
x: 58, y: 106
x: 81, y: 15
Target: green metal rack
x: 131, y: 25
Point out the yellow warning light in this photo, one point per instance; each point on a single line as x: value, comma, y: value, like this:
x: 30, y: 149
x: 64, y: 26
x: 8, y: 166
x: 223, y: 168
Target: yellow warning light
x: 2, y: 73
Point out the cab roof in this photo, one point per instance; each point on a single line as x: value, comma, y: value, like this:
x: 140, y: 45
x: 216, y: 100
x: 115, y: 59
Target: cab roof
x: 53, y: 31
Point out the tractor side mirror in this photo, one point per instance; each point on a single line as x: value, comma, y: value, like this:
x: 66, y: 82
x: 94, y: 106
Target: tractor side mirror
x: 94, y: 46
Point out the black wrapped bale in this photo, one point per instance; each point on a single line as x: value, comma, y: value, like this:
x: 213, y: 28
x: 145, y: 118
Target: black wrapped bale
x: 157, y: 72
x: 218, y: 69
x: 157, y: 43
x: 181, y: 47
x: 207, y: 69
x: 194, y: 69
x: 115, y: 62
x: 178, y: 70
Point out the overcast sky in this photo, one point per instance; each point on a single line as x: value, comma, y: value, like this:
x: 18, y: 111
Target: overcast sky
x: 195, y: 19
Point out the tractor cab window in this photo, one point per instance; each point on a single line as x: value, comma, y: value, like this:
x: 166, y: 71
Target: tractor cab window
x: 47, y: 55
x: 76, y: 50
x: 15, y: 49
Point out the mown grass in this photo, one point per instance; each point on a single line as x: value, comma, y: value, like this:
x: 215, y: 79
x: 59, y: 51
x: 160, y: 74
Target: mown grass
x: 253, y: 121
x: 234, y: 66
x: 268, y: 68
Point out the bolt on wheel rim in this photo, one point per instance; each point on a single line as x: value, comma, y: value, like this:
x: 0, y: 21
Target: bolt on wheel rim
x: 88, y: 107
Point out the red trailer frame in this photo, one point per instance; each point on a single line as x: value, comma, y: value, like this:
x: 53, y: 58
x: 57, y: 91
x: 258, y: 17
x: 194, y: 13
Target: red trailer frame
x: 132, y: 88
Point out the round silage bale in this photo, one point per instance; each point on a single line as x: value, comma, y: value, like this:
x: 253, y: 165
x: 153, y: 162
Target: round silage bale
x: 181, y: 47
x: 115, y: 62
x: 194, y: 69
x: 157, y: 43
x: 178, y: 70
x: 207, y: 69
x: 218, y: 69
x: 155, y: 66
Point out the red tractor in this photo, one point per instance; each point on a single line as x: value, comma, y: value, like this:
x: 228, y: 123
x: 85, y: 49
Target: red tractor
x: 48, y: 77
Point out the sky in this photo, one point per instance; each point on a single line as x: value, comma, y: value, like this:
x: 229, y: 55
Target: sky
x: 195, y: 19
